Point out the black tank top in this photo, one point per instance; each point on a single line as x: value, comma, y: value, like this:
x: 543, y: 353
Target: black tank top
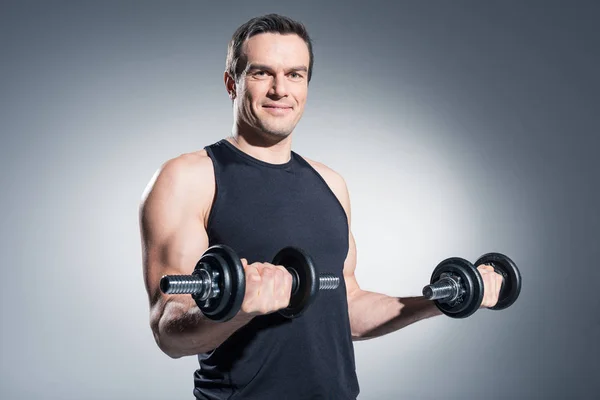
x: 258, y: 209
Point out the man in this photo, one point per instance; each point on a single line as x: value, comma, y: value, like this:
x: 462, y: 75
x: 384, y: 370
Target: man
x: 252, y: 193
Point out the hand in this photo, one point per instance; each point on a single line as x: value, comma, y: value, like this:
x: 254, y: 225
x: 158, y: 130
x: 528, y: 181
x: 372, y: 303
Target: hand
x: 268, y: 288
x: 492, y: 282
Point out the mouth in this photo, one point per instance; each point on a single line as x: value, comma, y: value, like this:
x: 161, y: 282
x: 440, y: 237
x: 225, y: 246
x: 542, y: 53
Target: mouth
x: 277, y: 109
x: 283, y: 106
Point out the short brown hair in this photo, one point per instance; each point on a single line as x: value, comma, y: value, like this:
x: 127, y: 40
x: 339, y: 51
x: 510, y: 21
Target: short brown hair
x: 270, y: 23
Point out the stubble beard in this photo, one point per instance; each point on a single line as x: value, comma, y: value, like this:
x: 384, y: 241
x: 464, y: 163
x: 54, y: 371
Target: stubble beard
x: 269, y: 129
x: 274, y: 131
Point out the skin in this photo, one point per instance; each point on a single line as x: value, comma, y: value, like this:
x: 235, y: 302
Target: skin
x: 268, y: 102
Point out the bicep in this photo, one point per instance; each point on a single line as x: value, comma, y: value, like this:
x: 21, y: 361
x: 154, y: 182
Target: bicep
x: 350, y: 262
x: 174, y: 250
x: 173, y: 234
x: 350, y: 266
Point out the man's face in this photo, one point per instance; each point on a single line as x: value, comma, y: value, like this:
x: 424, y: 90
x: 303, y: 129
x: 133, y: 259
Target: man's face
x: 272, y: 91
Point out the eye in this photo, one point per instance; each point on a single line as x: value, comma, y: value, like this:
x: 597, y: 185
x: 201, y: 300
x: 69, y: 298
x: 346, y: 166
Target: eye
x: 259, y: 74
x: 295, y: 76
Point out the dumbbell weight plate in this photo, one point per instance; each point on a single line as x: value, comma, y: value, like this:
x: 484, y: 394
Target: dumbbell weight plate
x: 231, y: 282
x: 471, y: 281
x: 511, y: 288
x: 302, y: 265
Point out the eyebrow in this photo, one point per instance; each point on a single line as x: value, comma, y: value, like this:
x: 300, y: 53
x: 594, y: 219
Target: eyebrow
x: 266, y: 67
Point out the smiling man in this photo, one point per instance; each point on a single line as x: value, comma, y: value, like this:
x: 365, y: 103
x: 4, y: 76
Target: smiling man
x: 250, y: 191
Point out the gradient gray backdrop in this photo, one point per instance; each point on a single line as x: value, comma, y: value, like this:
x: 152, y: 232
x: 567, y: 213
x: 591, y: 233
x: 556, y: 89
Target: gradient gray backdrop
x: 460, y: 127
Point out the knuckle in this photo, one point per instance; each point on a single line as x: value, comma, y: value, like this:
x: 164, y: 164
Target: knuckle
x: 281, y: 268
x: 265, y: 309
x: 267, y: 269
x: 247, y: 307
x: 281, y: 276
x: 251, y: 269
x: 267, y: 279
x: 249, y: 298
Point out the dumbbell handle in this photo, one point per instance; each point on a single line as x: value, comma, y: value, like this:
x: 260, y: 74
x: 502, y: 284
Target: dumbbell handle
x: 443, y: 290
x: 201, y: 284
x: 187, y: 284
x: 447, y: 289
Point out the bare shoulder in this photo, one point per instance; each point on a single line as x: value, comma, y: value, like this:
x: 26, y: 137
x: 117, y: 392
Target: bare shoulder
x: 187, y: 179
x: 331, y: 176
x: 334, y: 180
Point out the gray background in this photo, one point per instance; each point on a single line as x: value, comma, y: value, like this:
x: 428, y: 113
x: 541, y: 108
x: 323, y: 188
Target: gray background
x: 460, y: 127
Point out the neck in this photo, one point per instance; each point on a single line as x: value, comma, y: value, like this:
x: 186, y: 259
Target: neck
x: 260, y: 146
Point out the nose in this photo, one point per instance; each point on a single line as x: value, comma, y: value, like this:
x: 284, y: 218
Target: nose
x: 279, y: 87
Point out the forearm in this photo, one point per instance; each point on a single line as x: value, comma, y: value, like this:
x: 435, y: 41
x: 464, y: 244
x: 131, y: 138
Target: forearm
x: 375, y: 314
x: 183, y: 330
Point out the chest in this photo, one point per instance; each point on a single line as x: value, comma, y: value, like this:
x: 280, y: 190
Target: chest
x: 259, y: 217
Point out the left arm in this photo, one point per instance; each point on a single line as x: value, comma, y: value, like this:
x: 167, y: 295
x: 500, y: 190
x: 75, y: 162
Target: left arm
x: 376, y: 314
x: 371, y: 314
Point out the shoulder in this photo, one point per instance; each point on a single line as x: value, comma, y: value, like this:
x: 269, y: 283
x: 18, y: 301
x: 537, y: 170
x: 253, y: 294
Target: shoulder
x: 334, y: 180
x: 332, y: 177
x: 185, y: 179
x: 186, y: 168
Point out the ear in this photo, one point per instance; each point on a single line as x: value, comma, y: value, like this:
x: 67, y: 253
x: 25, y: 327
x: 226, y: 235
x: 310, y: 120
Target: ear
x: 229, y: 85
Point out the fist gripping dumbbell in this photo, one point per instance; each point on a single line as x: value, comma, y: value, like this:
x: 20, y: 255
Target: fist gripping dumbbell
x: 218, y: 283
x: 456, y: 285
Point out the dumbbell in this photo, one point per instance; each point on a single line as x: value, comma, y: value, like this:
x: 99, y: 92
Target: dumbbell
x: 456, y: 285
x: 218, y: 282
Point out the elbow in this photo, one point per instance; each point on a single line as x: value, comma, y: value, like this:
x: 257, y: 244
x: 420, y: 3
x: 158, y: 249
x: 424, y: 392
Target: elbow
x: 173, y: 342
x: 361, y: 332
x: 163, y: 344
x: 358, y: 335
x: 167, y: 345
x: 356, y: 338
x: 170, y: 352
x: 163, y: 340
x: 173, y: 355
x: 357, y: 332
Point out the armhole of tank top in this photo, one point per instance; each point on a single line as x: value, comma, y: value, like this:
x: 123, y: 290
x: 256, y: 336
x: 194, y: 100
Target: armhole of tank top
x: 215, y: 201
x: 324, y: 183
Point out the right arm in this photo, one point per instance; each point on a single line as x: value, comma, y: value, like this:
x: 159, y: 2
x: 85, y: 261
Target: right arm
x: 173, y: 240
x: 173, y: 212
